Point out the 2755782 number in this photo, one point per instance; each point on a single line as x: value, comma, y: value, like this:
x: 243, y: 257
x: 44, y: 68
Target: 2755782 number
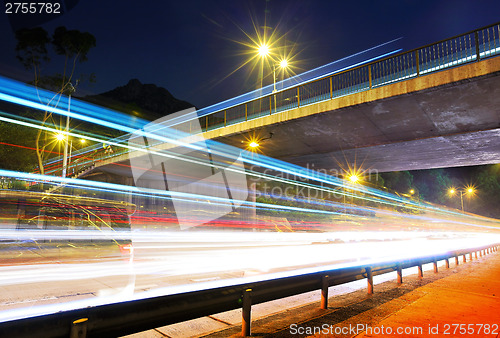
x: 471, y: 329
x: 32, y: 8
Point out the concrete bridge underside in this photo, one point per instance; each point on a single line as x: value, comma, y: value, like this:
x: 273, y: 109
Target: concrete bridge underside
x: 444, y: 119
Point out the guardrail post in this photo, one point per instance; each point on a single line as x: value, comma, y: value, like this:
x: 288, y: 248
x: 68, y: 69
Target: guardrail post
x: 298, y: 97
x: 79, y: 328
x: 325, y: 283
x: 246, y: 112
x: 369, y: 277
x: 420, y: 270
x: 480, y: 253
x: 400, y: 274
x: 464, y: 256
x: 246, y: 312
x: 470, y: 255
x: 447, y: 261
x: 435, y: 266
x: 475, y: 254
x: 456, y: 260
x: 225, y: 118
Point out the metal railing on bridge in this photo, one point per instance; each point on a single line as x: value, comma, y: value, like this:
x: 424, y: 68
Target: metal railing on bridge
x: 472, y: 46
x: 465, y: 48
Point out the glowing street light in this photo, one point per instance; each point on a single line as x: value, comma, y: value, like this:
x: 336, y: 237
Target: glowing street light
x: 354, y: 178
x: 60, y: 136
x: 253, y: 144
x: 83, y: 141
x: 70, y: 90
x: 469, y: 191
x: 412, y: 191
x: 283, y: 64
x: 263, y: 50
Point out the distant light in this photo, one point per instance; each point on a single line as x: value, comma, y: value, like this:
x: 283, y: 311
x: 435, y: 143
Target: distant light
x: 354, y: 178
x: 412, y: 191
x: 284, y: 63
x: 60, y: 136
x: 253, y: 144
x: 263, y: 50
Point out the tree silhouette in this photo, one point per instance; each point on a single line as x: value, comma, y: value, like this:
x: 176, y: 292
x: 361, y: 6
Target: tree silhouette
x: 32, y: 51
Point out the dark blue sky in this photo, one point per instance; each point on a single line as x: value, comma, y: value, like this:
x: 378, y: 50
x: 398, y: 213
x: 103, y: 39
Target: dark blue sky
x: 188, y: 47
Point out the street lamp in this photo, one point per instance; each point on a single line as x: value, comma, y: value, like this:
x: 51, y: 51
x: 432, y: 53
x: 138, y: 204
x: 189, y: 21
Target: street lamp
x: 354, y: 178
x: 71, y: 90
x: 263, y: 50
x: 469, y: 191
x: 60, y: 136
x: 283, y: 64
x: 254, y: 142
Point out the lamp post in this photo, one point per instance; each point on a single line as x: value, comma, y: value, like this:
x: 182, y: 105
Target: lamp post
x: 71, y: 90
x: 263, y: 50
x: 467, y: 191
x: 353, y: 178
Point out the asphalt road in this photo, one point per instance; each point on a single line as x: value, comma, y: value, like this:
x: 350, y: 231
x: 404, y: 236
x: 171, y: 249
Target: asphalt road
x: 52, y: 273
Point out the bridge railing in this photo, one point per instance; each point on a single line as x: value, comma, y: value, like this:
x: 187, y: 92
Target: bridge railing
x: 452, y: 52
x: 469, y: 47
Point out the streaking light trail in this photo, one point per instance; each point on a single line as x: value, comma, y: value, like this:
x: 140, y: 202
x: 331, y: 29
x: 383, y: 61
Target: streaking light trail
x: 91, y: 242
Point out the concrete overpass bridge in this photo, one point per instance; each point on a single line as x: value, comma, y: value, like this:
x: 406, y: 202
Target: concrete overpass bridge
x: 434, y: 106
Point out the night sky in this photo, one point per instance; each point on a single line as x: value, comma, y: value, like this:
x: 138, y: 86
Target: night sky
x: 190, y: 47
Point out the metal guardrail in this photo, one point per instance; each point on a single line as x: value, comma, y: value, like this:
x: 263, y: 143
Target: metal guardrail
x: 139, y: 315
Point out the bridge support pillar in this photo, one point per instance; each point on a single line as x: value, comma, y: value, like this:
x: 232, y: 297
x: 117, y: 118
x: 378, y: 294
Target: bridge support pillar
x: 420, y: 271
x: 456, y: 260
x: 435, y: 266
x: 447, y: 261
